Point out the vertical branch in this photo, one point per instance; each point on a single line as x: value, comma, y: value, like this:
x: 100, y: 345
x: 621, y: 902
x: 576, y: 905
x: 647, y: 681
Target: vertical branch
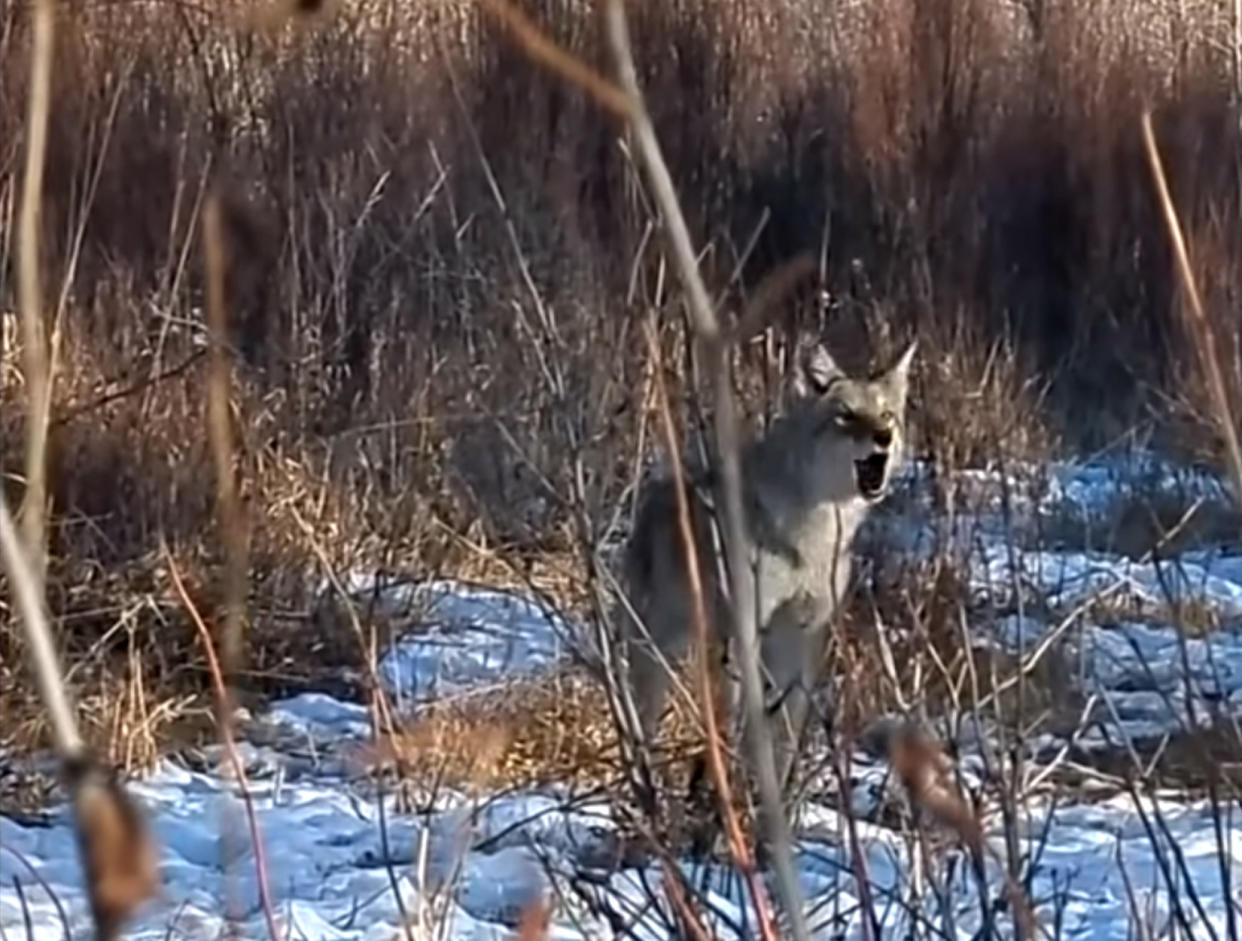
x: 118, y: 856
x: 737, y: 556
x: 30, y: 289
x: 703, y: 642
x: 1201, y: 332
x: 228, y: 507
x: 1236, y: 49
x: 27, y: 589
x: 230, y: 750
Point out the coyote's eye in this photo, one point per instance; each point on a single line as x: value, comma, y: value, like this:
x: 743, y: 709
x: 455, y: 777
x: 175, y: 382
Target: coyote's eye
x: 847, y: 418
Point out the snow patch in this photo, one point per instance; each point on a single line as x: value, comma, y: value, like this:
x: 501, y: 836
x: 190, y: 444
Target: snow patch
x: 464, y: 636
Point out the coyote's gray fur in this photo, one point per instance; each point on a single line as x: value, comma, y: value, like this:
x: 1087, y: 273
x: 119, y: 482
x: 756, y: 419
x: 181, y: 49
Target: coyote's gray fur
x: 806, y: 485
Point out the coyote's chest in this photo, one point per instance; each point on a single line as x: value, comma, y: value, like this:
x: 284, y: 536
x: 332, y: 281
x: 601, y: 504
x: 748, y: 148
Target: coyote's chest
x: 807, y: 559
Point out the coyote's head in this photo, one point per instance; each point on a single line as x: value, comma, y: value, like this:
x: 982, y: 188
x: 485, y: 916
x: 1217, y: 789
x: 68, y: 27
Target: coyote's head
x: 852, y: 429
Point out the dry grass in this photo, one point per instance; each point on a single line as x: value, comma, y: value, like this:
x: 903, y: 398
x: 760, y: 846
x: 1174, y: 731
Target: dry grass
x: 533, y: 732
x: 554, y: 728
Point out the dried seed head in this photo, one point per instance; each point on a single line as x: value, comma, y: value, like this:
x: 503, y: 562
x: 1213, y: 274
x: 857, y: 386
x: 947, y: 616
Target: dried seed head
x: 927, y: 775
x: 118, y: 854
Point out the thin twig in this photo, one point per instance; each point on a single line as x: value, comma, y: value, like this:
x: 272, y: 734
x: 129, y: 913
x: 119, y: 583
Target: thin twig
x: 230, y: 746
x: 383, y: 725
x: 68, y: 415
x: 118, y: 855
x: 30, y: 290
x: 771, y: 291
x: 114, y: 842
x: 26, y: 585
x: 548, y: 54
x: 42, y: 882
x: 1201, y: 328
x: 737, y: 842
x: 742, y: 593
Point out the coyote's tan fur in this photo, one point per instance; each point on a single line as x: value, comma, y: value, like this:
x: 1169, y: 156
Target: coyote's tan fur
x: 807, y: 485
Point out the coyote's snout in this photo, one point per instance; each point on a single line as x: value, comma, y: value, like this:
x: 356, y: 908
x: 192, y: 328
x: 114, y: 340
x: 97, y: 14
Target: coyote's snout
x: 807, y: 485
x: 871, y: 472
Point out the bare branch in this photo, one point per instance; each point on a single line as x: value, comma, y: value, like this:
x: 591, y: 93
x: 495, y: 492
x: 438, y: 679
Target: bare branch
x: 707, y: 694
x: 737, y: 555
x: 30, y: 290
x: 232, y: 525
x: 1200, y: 327
x: 773, y: 289
x: 553, y: 57
x: 228, y: 506
x: 221, y: 691
x: 27, y: 588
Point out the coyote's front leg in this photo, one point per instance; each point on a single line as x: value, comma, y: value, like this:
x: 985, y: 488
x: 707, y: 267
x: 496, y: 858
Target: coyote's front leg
x: 791, y: 646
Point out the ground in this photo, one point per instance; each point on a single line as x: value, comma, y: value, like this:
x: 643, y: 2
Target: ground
x: 512, y: 798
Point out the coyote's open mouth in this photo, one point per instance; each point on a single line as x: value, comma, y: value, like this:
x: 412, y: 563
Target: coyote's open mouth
x: 871, y: 473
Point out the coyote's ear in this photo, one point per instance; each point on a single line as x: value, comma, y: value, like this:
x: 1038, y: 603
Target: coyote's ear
x: 898, y: 376
x: 815, y: 371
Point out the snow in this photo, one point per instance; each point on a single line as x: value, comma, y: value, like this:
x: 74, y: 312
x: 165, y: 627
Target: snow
x: 467, y: 636
x: 325, y: 856
x: 346, y: 861
x: 1064, y: 580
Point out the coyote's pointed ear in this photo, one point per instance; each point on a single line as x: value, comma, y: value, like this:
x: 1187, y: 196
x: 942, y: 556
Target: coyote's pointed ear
x: 898, y: 376
x: 815, y: 371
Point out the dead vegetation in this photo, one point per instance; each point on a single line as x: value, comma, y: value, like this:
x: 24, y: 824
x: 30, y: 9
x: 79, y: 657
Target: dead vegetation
x: 546, y: 730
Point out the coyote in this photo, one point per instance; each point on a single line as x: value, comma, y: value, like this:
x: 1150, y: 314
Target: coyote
x: 806, y: 486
